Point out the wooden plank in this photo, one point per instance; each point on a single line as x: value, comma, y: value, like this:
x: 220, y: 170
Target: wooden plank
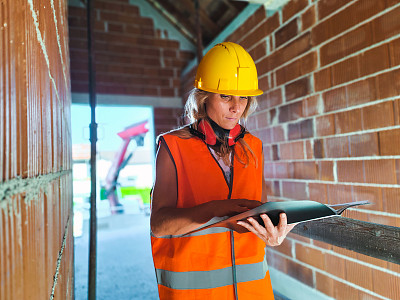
x: 375, y: 240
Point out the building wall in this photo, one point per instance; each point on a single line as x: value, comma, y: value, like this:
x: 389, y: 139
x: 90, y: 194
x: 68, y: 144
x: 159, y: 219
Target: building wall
x: 36, y: 241
x: 133, y: 59
x: 329, y: 122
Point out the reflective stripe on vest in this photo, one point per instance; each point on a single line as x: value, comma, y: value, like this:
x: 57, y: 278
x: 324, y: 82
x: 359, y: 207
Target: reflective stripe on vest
x: 211, y: 279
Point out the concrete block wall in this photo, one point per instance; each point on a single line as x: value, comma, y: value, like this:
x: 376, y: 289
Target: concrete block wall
x: 329, y: 122
x: 36, y: 241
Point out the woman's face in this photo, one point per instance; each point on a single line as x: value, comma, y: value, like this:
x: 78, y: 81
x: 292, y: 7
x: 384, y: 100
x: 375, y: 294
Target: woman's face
x: 225, y: 110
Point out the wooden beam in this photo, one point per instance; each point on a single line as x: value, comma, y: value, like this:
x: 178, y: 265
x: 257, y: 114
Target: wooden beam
x: 376, y: 240
x: 174, y: 16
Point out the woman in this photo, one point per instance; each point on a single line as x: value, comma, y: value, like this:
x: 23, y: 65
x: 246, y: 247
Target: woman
x: 213, y: 168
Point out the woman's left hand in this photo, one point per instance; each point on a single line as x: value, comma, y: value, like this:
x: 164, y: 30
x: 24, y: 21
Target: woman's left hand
x: 270, y: 234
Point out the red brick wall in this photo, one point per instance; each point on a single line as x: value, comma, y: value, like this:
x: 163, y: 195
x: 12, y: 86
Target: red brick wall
x: 329, y: 121
x: 131, y: 56
x: 36, y: 241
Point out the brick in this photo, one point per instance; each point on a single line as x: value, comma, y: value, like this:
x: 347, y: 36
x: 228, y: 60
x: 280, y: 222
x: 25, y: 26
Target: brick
x: 387, y: 84
x: 285, y: 247
x: 305, y: 170
x: 272, y: 114
x: 277, y: 134
x: 259, y: 51
x: 396, y: 110
x: 251, y: 22
x: 364, y: 144
x: 322, y: 245
x: 292, y: 150
x: 318, y: 148
x: 263, y: 83
x: 292, y: 8
x: 298, y: 88
x: 348, y: 121
x: 303, y: 274
x: 308, y: 18
x: 323, y: 79
x: 394, y: 55
x: 295, y: 48
x: 310, y: 106
x: 372, y: 260
x: 301, y: 130
x: 359, y: 274
x: 377, y: 116
x: 324, y: 284
x: 393, y: 267
x: 325, y: 170
x: 290, y: 112
x: 347, y: 44
x: 350, y: 171
x: 298, y: 68
x: 335, y: 265
x: 390, y: 200
x: 264, y: 135
x: 327, y: 7
x: 282, y: 170
x: 277, y: 261
x: 325, y: 125
x: 310, y: 256
x: 270, y: 99
x: 343, y: 291
x: 294, y: 190
x: 386, y: 26
x: 269, y: 170
x: 262, y: 120
x: 335, y: 99
x: 275, y: 152
x: 381, y: 219
x: 286, y: 33
x: 256, y: 35
x: 371, y: 194
x: 318, y: 192
x: 345, y: 19
x: 337, y: 147
x: 374, y: 60
x: 360, y: 92
x: 380, y: 171
x: 309, y: 150
x: 300, y: 238
x: 346, y: 70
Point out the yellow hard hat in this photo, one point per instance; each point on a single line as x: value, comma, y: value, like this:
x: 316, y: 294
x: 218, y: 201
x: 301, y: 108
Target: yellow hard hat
x: 228, y: 69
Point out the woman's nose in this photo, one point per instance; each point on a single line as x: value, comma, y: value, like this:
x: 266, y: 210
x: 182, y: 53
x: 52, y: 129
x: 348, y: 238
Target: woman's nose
x: 235, y: 107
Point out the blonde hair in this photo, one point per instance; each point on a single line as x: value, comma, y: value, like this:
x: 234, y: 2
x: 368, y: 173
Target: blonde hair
x: 195, y: 110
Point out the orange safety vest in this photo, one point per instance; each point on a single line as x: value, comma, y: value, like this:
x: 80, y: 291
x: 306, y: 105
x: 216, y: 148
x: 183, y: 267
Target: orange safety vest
x: 215, y: 263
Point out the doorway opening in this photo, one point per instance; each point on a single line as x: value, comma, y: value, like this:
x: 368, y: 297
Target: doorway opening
x: 125, y: 171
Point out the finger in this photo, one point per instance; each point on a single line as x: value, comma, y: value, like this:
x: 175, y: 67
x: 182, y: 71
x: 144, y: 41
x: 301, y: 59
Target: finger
x: 268, y: 223
x: 282, y: 224
x: 257, y: 226
x: 248, y: 227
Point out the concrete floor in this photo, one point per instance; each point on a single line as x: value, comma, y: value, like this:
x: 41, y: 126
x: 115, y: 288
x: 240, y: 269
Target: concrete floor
x: 124, y: 264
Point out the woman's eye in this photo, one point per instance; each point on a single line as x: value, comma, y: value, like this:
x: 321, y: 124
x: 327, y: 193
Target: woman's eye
x: 226, y: 97
x: 244, y: 98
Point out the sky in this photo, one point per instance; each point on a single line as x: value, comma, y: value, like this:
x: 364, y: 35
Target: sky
x: 110, y: 120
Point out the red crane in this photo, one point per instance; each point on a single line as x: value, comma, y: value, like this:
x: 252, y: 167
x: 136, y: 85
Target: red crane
x: 135, y: 132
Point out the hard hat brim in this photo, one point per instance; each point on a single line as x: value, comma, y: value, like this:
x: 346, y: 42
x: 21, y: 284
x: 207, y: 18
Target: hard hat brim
x: 256, y: 92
